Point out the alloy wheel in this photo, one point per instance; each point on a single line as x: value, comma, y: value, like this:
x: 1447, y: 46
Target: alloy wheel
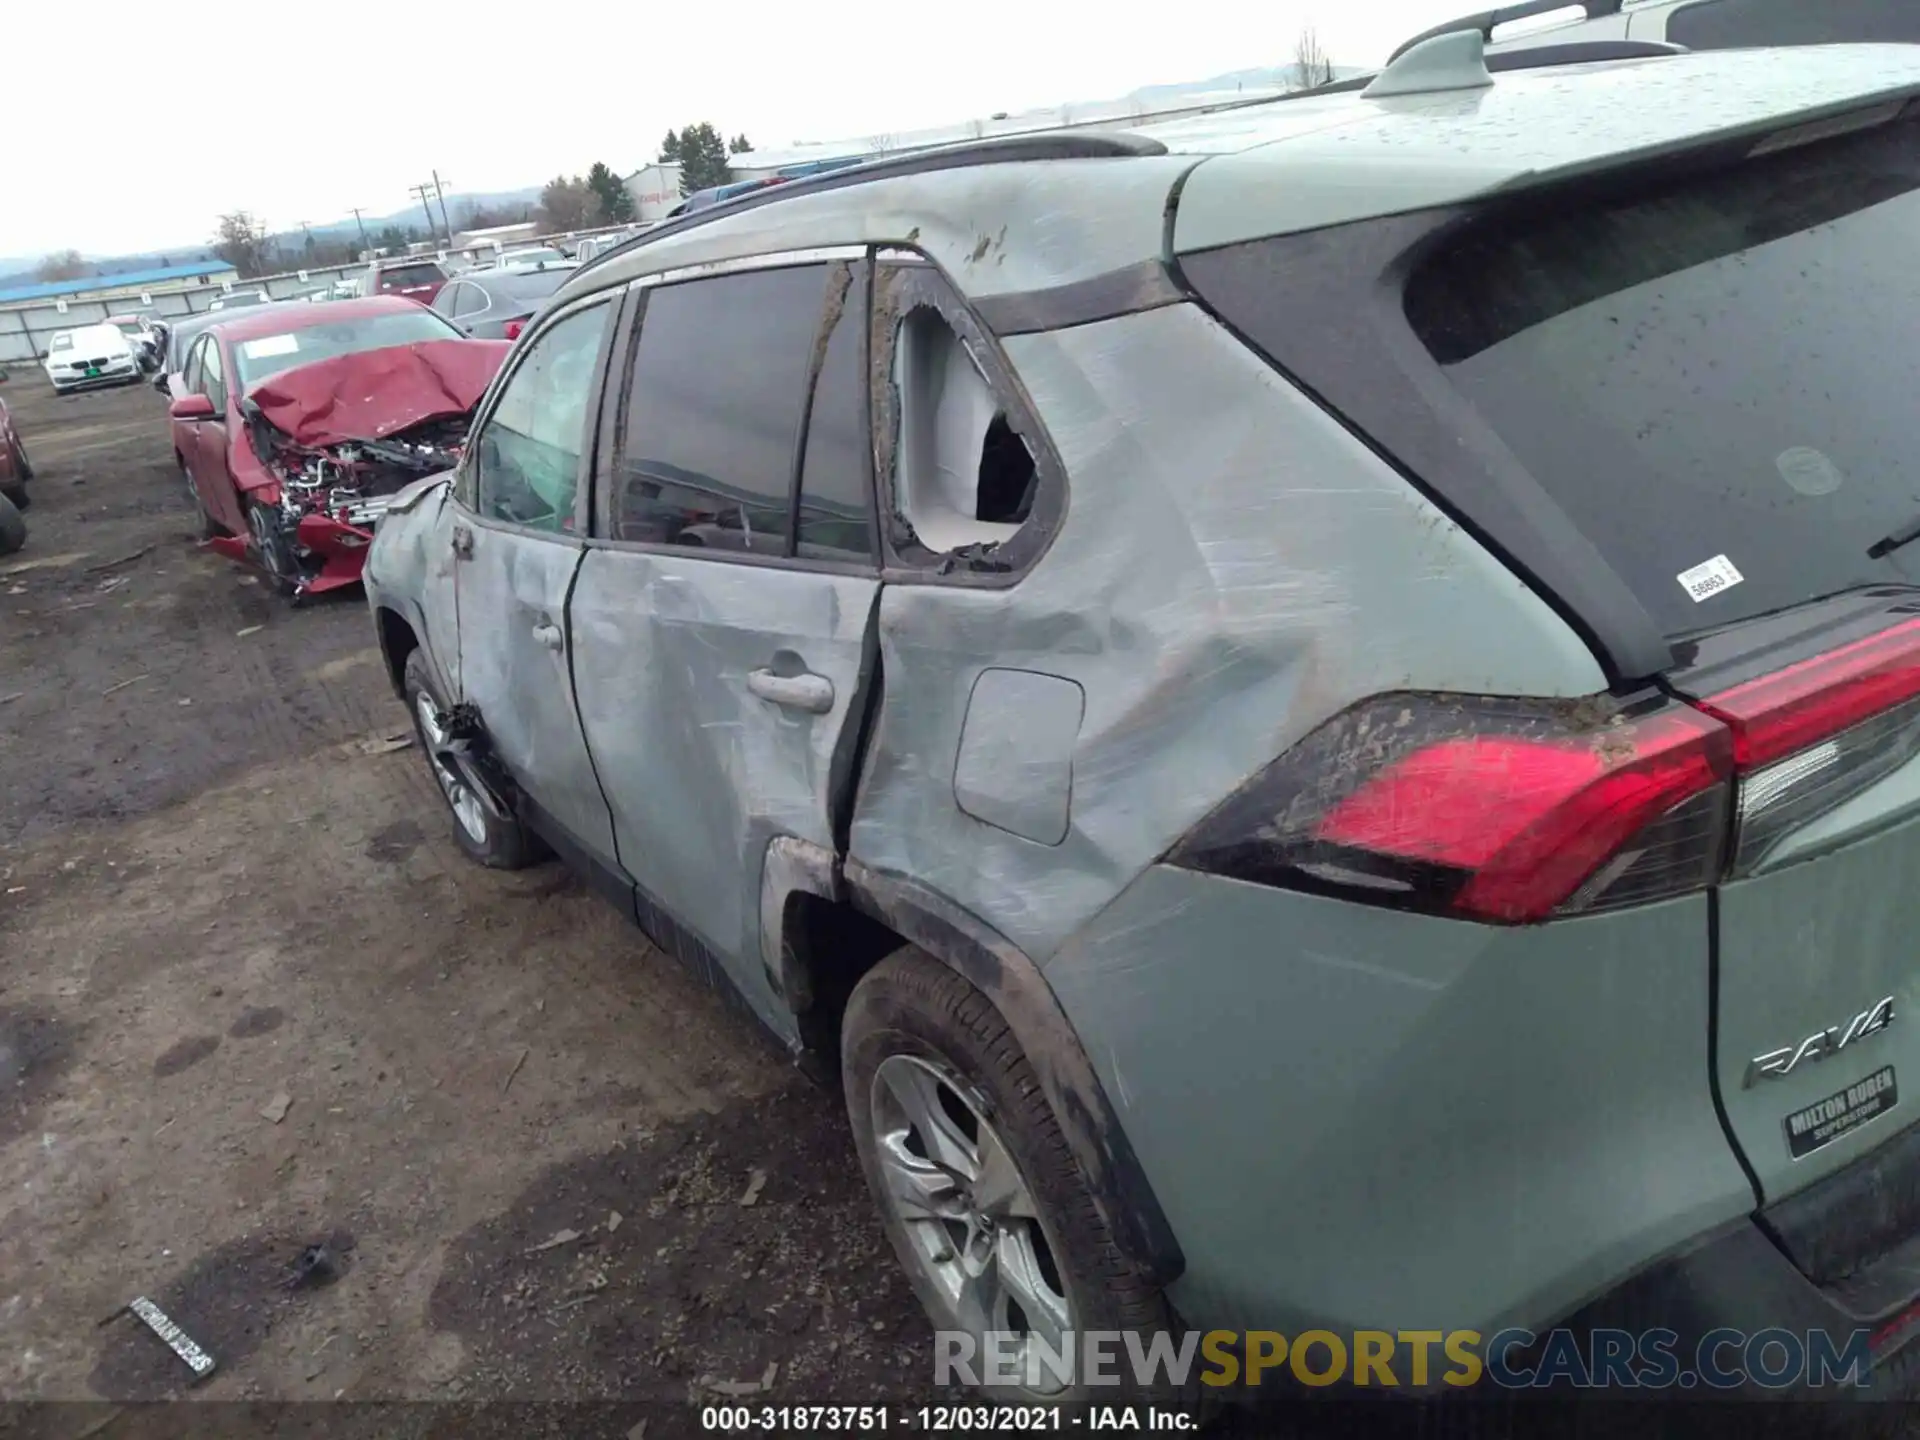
x: 969, y: 1213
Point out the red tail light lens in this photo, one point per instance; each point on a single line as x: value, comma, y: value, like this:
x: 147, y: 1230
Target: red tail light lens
x: 1790, y: 709
x: 513, y: 328
x: 1495, y: 810
x: 1812, y: 735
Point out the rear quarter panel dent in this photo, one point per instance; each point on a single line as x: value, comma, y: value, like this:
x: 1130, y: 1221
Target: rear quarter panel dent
x: 1234, y: 569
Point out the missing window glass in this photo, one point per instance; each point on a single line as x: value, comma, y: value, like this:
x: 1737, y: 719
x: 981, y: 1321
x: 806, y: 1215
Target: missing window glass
x: 963, y: 477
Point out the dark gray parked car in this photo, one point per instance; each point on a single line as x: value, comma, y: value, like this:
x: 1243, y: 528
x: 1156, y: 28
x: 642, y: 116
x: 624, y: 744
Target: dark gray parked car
x: 1316, y: 709
x: 495, y: 304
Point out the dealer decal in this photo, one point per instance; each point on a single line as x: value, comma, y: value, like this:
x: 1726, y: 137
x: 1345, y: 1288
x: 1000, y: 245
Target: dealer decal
x: 1825, y: 1121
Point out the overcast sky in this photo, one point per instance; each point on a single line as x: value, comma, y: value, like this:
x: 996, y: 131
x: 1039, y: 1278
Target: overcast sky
x: 134, y: 125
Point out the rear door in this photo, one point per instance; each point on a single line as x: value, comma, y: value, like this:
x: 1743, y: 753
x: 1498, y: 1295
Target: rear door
x: 517, y: 549
x: 721, y: 667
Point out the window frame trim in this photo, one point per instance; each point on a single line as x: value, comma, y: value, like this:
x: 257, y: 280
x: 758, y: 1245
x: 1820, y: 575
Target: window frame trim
x: 616, y: 390
x: 468, y: 504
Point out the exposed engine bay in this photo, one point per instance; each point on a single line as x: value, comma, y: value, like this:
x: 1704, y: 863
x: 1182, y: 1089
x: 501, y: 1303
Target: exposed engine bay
x: 341, y: 436
x: 352, y: 482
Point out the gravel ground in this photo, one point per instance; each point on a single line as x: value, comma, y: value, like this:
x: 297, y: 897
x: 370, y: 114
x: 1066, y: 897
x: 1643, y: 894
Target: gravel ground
x: 543, y: 1162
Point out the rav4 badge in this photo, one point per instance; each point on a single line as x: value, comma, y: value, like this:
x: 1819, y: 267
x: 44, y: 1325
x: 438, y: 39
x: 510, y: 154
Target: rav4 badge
x: 1822, y: 1045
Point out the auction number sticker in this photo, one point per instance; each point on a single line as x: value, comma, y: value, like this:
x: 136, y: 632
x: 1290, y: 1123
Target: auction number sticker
x: 1706, y: 580
x: 268, y: 346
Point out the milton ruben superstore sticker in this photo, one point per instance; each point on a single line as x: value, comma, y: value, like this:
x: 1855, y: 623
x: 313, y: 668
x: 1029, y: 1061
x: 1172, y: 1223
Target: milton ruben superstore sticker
x: 1825, y: 1121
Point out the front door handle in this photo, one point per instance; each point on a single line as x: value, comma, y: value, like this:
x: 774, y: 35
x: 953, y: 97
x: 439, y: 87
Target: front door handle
x: 812, y: 693
x: 548, y: 634
x: 463, y: 542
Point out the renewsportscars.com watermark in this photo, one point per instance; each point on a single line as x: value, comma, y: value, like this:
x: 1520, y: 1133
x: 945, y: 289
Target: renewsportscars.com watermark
x: 1382, y: 1359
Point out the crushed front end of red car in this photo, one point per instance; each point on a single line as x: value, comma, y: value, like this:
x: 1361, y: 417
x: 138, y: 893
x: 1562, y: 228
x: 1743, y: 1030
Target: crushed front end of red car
x: 338, y: 438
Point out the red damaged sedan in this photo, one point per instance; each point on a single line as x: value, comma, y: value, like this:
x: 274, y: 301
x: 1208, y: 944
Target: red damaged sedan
x: 295, y: 426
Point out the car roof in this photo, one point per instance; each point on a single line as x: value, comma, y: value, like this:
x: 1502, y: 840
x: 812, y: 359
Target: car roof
x: 1279, y: 166
x: 252, y: 323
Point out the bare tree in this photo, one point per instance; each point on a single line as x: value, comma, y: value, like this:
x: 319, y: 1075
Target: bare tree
x: 1311, y: 65
x: 882, y: 144
x: 241, y: 241
x: 62, y: 265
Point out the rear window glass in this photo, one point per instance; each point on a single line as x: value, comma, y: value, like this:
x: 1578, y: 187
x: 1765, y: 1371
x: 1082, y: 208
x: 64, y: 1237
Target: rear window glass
x: 406, y: 276
x: 1715, y: 378
x: 266, y: 355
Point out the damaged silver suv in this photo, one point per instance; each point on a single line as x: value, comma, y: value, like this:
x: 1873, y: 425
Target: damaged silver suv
x: 1308, y: 706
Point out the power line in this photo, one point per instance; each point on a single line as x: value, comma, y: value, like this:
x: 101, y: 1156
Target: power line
x: 421, y: 192
x: 442, y: 194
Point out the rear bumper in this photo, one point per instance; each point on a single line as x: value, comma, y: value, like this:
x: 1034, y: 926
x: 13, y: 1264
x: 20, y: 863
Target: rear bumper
x: 1727, y: 1287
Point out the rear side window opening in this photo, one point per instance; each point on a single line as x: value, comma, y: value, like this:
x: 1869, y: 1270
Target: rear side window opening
x: 969, y: 485
x: 1715, y: 369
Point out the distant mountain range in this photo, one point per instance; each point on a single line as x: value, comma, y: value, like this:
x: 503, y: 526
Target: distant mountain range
x: 1271, y: 77
x: 23, y: 269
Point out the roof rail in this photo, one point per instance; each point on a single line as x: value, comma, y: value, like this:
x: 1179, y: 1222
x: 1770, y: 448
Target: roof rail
x: 1536, y: 57
x: 1487, y: 21
x: 1003, y: 150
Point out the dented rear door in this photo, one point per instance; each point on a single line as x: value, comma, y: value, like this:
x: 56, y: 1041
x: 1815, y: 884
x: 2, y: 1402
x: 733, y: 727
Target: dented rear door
x: 723, y: 615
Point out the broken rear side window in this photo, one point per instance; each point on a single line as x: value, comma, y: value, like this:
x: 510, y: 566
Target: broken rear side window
x: 963, y: 478
x: 1713, y: 374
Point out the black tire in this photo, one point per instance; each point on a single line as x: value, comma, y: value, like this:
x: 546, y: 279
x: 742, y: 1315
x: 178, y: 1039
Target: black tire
x: 502, y: 843
x: 13, y: 529
x: 17, y: 495
x: 273, y: 549
x: 911, y: 1005
x: 22, y: 466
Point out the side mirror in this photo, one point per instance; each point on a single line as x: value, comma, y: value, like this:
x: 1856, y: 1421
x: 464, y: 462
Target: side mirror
x: 191, y: 407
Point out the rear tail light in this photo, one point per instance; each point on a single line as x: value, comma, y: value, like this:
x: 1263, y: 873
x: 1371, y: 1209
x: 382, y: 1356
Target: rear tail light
x: 1495, y: 810
x: 1514, y: 812
x: 1811, y: 736
x: 513, y: 328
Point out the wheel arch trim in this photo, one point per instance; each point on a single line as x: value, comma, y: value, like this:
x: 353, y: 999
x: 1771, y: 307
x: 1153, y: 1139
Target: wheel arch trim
x: 1011, y: 980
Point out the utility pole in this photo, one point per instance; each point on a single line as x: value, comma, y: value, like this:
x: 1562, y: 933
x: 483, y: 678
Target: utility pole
x: 422, y: 192
x: 442, y: 194
x: 365, y: 244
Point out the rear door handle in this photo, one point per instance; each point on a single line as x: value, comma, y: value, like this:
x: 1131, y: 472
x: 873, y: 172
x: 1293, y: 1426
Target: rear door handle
x: 548, y: 634
x: 812, y: 693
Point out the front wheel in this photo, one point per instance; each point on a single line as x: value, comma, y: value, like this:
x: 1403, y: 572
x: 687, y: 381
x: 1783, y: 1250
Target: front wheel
x: 273, y: 547
x: 978, y: 1189
x: 483, y: 825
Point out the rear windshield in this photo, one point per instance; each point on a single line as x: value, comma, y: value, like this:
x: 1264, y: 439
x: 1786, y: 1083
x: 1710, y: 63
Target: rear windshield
x: 407, y: 276
x: 266, y: 355
x: 1716, y: 377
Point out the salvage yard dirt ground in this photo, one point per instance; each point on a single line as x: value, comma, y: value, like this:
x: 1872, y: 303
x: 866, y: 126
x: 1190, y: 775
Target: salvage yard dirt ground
x: 254, y: 1000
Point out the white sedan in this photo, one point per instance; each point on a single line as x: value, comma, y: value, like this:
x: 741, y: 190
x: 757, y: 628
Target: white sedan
x: 90, y: 355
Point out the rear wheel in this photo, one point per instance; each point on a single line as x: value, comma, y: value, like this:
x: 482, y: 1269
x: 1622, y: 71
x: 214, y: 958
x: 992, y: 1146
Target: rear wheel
x: 13, y: 529
x: 978, y: 1189
x: 482, y: 823
x: 22, y: 466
